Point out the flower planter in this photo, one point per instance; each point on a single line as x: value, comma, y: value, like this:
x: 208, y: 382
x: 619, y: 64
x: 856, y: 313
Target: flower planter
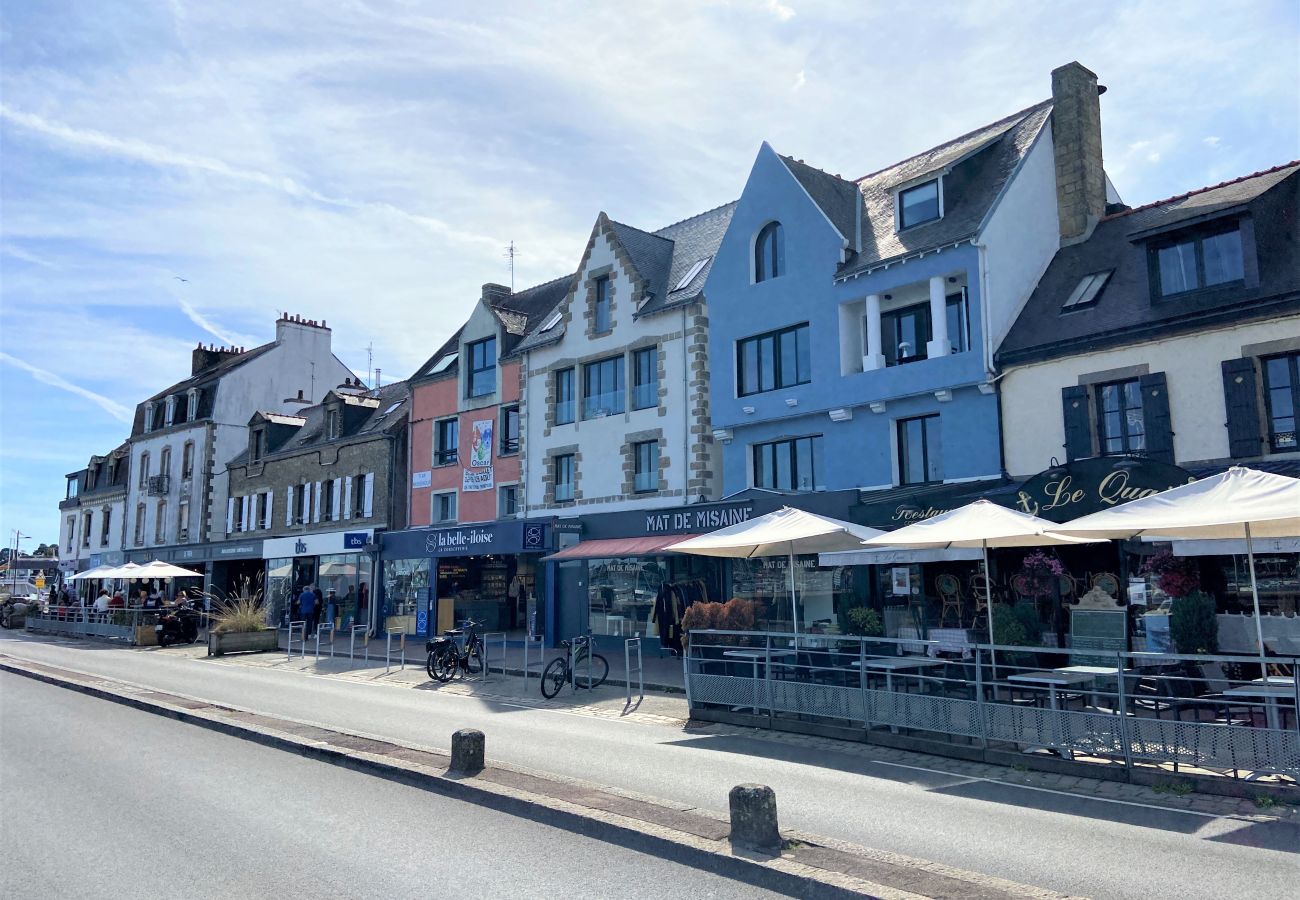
x: 242, y: 642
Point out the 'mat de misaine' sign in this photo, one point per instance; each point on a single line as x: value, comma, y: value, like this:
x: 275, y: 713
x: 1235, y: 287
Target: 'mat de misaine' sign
x: 1091, y: 485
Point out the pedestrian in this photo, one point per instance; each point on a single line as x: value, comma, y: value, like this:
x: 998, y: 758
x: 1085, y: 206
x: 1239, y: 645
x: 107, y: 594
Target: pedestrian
x: 307, y: 605
x: 117, y: 602
x: 101, y: 602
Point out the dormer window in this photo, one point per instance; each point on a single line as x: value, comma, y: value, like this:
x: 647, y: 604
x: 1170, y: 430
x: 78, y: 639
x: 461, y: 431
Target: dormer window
x: 148, y: 417
x: 169, y: 414
x: 1191, y: 262
x: 192, y: 411
x: 331, y: 424
x: 769, y: 252
x: 481, y: 379
x: 918, y: 205
x: 258, y: 449
x: 602, y: 304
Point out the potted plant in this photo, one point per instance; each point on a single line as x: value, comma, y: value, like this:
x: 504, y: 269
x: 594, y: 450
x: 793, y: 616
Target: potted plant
x: 239, y: 625
x: 1175, y: 576
x: 1193, y: 625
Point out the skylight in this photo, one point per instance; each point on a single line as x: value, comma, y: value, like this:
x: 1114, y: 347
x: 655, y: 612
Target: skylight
x: 1087, y: 290
x: 552, y: 322
x: 695, y: 270
x: 391, y: 408
x: 443, y: 364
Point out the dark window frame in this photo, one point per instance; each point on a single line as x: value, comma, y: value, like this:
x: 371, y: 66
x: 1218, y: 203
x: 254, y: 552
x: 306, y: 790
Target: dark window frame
x: 761, y: 465
x: 905, y: 450
x: 959, y: 301
x: 1292, y: 364
x: 438, y: 502
x: 1130, y: 442
x: 509, y: 445
x: 568, y: 463
x: 441, y: 455
x: 1197, y: 237
x: 566, y: 395
x: 648, y: 467
x: 639, y: 387
x: 478, y: 368
x: 801, y: 334
x: 769, y: 252
x: 903, y: 224
x: 617, y: 392
x: 601, y: 320
x: 513, y: 491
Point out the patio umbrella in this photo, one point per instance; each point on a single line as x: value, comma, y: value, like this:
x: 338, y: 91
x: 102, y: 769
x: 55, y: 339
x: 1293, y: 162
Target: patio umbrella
x: 982, y: 524
x: 129, y: 570
x: 165, y: 571
x: 785, y: 532
x: 97, y: 572
x: 1238, y: 503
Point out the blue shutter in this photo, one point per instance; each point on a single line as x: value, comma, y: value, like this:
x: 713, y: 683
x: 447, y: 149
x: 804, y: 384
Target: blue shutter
x: 1155, y: 417
x: 1241, y: 398
x: 1078, y: 422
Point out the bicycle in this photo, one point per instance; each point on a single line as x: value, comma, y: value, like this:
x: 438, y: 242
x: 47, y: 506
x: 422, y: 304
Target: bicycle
x: 448, y: 657
x: 558, y: 672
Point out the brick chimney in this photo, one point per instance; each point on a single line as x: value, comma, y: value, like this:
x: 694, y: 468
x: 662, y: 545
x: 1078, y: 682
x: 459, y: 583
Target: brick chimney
x: 203, y: 358
x: 495, y: 293
x: 1076, y: 135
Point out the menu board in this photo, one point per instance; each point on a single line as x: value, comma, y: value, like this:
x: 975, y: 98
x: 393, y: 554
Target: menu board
x: 1098, y: 629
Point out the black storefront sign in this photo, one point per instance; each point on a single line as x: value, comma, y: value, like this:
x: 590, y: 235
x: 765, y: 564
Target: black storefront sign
x: 697, y: 519
x: 469, y: 540
x: 1087, y: 486
x: 907, y: 506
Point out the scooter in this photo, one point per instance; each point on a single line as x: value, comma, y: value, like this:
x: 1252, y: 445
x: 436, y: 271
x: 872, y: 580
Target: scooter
x: 179, y: 625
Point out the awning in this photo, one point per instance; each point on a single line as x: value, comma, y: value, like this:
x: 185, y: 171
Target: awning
x: 885, y: 557
x: 616, y: 547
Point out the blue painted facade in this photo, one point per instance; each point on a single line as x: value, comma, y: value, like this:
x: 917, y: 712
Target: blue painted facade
x: 859, y: 452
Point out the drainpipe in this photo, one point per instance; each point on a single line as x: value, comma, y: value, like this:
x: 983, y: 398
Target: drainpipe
x: 987, y: 341
x: 686, y: 412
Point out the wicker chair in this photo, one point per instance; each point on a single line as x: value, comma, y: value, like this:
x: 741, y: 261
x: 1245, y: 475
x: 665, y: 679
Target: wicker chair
x: 949, y: 588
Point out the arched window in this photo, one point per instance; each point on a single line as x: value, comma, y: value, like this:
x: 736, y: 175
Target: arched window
x: 769, y: 252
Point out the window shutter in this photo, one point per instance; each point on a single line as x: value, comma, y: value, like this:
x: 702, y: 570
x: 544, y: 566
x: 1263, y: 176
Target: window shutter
x: 1242, y: 401
x: 1155, y: 417
x: 230, y: 517
x: 336, y: 507
x: 316, y: 513
x: 368, y: 498
x: 347, y: 497
x: 288, y: 507
x: 245, y: 510
x: 270, y: 503
x: 1078, y: 424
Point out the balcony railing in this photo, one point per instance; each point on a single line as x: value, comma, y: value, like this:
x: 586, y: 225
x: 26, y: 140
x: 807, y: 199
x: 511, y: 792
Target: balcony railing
x: 158, y: 485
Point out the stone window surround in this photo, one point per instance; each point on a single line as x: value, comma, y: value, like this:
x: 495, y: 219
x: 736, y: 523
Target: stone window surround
x: 548, y: 476
x: 607, y: 272
x: 576, y: 363
x: 630, y: 442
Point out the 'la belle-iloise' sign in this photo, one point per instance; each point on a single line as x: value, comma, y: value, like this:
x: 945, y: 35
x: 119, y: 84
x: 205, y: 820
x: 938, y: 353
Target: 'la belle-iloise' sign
x: 1090, y: 485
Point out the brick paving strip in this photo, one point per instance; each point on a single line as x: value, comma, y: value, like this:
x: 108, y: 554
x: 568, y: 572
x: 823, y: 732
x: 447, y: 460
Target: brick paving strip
x: 809, y: 866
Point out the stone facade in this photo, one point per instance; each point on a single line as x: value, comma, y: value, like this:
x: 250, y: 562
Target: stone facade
x: 1076, y: 129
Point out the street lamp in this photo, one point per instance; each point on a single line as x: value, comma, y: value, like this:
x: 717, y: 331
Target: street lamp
x: 19, y: 537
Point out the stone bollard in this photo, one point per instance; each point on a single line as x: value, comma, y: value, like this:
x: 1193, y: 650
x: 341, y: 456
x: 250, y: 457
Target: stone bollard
x: 467, y: 751
x: 753, y: 818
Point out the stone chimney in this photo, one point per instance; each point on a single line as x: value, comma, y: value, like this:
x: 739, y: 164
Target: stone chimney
x: 203, y: 358
x: 495, y: 293
x: 1076, y: 135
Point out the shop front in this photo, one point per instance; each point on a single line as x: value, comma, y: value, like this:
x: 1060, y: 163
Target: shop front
x: 435, y: 578
x: 338, y: 565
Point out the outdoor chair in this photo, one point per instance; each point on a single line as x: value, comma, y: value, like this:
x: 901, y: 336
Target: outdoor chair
x: 949, y: 588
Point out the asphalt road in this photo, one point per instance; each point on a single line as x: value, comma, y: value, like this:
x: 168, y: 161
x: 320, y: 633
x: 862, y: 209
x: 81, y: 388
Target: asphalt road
x: 101, y: 800
x: 1077, y: 845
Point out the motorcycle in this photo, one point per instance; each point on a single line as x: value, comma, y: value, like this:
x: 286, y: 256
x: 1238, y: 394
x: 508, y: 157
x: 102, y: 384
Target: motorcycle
x: 178, y: 625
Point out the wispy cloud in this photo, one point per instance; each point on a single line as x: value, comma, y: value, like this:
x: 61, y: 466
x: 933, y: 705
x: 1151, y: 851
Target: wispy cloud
x: 108, y: 405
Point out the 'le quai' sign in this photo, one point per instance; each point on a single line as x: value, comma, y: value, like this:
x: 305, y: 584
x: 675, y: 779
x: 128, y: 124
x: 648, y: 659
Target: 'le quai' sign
x: 1090, y: 485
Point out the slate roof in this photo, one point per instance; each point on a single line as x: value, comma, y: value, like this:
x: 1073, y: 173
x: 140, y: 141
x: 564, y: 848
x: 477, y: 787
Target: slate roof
x: 1124, y: 312
x: 838, y: 197
x: 206, y: 378
x: 662, y: 258
x: 520, y: 312
x: 451, y: 345
x: 387, y: 407
x: 978, y: 166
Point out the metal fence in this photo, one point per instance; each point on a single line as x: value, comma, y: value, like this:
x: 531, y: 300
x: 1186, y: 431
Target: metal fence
x: 1225, y: 713
x: 74, y: 621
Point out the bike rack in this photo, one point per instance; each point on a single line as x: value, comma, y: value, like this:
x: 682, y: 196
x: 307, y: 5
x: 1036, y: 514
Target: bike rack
x: 628, y: 647
x: 352, y: 643
x: 301, y: 628
x: 573, y: 661
x: 330, y: 629
x: 487, y: 639
x: 401, y: 650
x: 540, y: 641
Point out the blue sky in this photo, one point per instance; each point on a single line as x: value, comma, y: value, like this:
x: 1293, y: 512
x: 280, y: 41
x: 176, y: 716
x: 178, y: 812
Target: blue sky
x: 366, y: 162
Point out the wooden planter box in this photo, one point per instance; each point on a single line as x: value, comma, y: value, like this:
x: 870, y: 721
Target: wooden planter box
x: 242, y: 642
x: 145, y: 636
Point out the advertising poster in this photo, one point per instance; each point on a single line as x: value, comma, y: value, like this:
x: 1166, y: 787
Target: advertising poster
x: 480, y: 452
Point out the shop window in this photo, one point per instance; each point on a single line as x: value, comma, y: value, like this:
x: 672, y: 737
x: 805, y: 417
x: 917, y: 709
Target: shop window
x: 786, y: 465
x: 602, y: 388
x: 920, y: 450
x: 481, y: 379
x: 602, y: 305
x: 507, y: 501
x: 1282, y: 388
x: 919, y: 205
x: 406, y: 586
x: 769, y: 252
x: 565, y: 477
x: 1191, y: 262
x: 1120, y: 424
x: 645, y: 467
x: 645, y: 378
x: 565, y: 407
x: 444, y: 507
x: 509, y: 430
x: 446, y: 441
x: 775, y: 360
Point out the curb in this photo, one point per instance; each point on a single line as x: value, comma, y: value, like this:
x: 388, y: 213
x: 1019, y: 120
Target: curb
x: 781, y: 873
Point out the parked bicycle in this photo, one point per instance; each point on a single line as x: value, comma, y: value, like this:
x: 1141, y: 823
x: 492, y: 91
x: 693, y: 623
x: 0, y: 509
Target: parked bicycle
x: 456, y: 652
x: 559, y: 672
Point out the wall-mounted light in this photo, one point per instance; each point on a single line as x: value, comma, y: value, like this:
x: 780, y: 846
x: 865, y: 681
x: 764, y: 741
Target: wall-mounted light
x: 986, y: 387
x: 747, y: 410
x: 877, y: 406
x: 841, y: 415
x: 943, y: 396
x: 722, y: 434
x: 791, y: 401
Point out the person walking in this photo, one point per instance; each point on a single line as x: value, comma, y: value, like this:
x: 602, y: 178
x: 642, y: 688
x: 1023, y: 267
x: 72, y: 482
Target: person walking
x: 101, y: 602
x: 307, y: 606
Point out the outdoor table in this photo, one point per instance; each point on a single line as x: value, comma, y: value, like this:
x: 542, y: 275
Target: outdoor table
x: 755, y: 655
x: 1053, y: 680
x: 1270, y: 689
x: 891, y: 664
x: 1094, y: 672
